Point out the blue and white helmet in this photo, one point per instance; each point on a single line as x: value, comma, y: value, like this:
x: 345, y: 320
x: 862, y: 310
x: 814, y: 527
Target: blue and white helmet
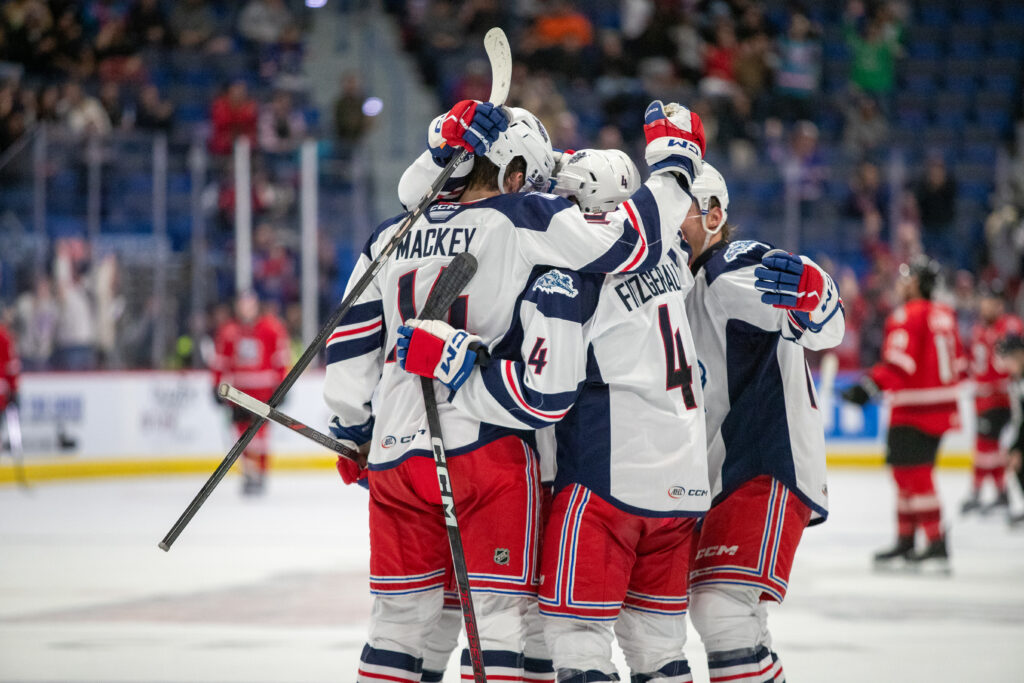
x: 598, y: 179
x: 526, y: 137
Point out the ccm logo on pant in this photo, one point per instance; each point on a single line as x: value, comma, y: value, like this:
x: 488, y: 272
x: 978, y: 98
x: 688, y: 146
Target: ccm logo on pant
x: 716, y: 550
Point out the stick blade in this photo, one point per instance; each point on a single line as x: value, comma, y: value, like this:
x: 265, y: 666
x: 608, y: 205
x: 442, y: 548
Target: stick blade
x: 500, y: 56
x: 452, y: 281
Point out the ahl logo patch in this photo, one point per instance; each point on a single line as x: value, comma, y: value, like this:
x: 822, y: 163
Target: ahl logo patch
x: 501, y: 556
x: 737, y: 249
x: 556, y: 282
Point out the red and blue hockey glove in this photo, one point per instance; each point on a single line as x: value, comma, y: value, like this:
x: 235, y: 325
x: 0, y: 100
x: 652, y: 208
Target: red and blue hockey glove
x: 352, y: 438
x: 473, y: 126
x: 675, y: 140
x: 787, y: 282
x: 433, y: 348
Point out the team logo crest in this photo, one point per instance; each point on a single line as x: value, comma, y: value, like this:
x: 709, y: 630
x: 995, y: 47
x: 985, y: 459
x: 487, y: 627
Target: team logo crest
x: 556, y: 282
x: 737, y: 249
x: 501, y: 556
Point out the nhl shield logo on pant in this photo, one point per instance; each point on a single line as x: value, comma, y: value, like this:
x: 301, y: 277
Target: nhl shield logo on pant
x: 501, y: 556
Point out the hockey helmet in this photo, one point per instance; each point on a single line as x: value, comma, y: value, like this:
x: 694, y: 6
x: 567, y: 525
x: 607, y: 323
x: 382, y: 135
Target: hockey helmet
x: 526, y: 137
x: 598, y: 179
x: 926, y: 271
x: 710, y: 183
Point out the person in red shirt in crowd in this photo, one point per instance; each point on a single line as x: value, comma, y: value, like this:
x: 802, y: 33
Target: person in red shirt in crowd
x: 253, y: 355
x: 232, y: 114
x: 991, y: 394
x: 10, y: 368
x: 920, y: 370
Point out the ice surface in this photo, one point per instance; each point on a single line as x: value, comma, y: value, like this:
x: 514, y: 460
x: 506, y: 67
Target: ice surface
x: 275, y: 589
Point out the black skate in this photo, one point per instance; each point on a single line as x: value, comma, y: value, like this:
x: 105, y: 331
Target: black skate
x: 1016, y: 521
x: 970, y: 505
x: 934, y: 559
x: 896, y: 557
x: 254, y: 485
x: 1002, y: 502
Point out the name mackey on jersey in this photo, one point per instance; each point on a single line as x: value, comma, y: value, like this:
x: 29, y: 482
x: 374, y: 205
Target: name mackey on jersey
x: 509, y: 234
x: 618, y: 381
x: 762, y: 410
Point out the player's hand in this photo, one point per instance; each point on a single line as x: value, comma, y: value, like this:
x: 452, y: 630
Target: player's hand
x: 675, y: 140
x: 473, y: 126
x: 787, y: 282
x: 862, y: 392
x: 1015, y: 461
x: 433, y: 348
x: 353, y: 438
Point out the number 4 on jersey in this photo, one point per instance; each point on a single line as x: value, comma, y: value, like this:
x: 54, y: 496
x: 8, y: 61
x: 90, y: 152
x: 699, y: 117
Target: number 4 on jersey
x: 677, y: 373
x: 539, y: 355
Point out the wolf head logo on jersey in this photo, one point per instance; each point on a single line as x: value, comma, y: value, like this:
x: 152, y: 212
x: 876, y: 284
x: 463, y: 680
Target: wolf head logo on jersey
x: 556, y: 282
x: 737, y: 249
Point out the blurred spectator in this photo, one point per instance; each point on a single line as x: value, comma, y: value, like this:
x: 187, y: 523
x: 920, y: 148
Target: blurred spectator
x: 262, y: 21
x: 803, y: 160
x: 75, y: 340
x: 350, y: 123
x: 110, y: 98
x: 82, y: 113
x: 275, y: 272
x: 875, y: 48
x: 477, y: 17
x: 689, y: 48
x: 109, y: 307
x: 561, y: 32
x: 866, y: 129
x: 280, y: 63
x: 194, y: 25
x: 233, y: 113
x: 73, y: 55
x: 116, y: 53
x: 719, y: 61
x: 36, y: 314
x: 48, y: 104
x: 152, y: 112
x: 799, y: 74
x: 282, y: 127
x: 936, y: 195
x: 1004, y: 238
x: 867, y: 195
x: 146, y: 24
x: 753, y: 69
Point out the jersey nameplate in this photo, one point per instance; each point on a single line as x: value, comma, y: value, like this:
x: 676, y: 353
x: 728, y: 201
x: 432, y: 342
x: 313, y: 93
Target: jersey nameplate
x: 556, y: 282
x: 435, y: 242
x: 638, y: 289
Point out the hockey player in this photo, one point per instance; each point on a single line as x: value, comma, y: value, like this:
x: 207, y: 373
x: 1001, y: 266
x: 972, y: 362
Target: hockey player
x: 1010, y: 351
x: 991, y: 395
x: 921, y: 367
x: 10, y: 368
x: 509, y: 232
x: 609, y: 359
x: 766, y: 443
x: 252, y: 353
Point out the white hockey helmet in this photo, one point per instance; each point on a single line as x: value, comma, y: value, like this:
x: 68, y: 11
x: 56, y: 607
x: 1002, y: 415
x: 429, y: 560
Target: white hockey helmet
x: 708, y: 184
x: 526, y: 137
x: 598, y: 179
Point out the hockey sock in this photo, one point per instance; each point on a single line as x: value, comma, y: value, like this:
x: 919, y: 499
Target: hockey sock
x: 999, y: 478
x: 538, y: 670
x: 589, y: 676
x: 673, y: 672
x: 431, y: 676
x: 905, y: 518
x: 747, y: 665
x: 499, y: 665
x: 778, y: 675
x: 377, y: 665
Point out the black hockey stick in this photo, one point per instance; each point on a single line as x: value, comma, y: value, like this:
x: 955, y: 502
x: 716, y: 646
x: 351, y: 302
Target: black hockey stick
x: 450, y: 283
x: 261, y: 409
x: 496, y: 45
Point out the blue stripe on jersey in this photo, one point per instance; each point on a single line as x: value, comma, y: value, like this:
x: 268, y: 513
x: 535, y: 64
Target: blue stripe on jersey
x: 756, y: 430
x: 375, y: 235
x: 362, y: 312
x: 554, y: 404
x: 344, y: 350
x: 650, y: 217
x: 725, y: 257
x: 584, y: 441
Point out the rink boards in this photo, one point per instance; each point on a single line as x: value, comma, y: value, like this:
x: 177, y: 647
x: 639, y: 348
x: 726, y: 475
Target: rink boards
x: 139, y: 423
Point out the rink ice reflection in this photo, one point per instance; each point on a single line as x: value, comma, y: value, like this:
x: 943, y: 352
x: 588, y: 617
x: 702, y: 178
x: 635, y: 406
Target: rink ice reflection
x: 275, y: 589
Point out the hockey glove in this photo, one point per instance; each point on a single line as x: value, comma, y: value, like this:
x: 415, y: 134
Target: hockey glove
x: 675, y: 140
x: 433, y: 348
x: 787, y: 282
x: 473, y: 125
x: 352, y: 438
x: 861, y: 393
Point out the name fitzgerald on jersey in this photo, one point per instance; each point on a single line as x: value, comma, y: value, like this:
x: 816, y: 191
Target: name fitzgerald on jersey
x: 435, y: 242
x: 638, y: 289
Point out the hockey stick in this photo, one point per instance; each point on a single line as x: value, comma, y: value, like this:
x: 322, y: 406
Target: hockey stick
x: 827, y: 387
x: 451, y: 282
x: 500, y: 57
x: 13, y: 419
x: 261, y: 409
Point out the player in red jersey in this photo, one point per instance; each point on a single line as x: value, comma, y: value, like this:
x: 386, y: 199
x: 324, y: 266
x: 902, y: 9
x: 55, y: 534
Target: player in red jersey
x: 992, y: 395
x: 920, y: 370
x: 253, y: 355
x: 10, y: 367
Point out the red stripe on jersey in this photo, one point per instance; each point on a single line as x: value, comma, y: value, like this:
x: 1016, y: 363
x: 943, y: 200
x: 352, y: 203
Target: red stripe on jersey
x: 358, y: 330
x: 636, y: 226
x: 510, y: 377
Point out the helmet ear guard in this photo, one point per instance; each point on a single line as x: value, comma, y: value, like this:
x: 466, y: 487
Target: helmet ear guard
x: 526, y: 137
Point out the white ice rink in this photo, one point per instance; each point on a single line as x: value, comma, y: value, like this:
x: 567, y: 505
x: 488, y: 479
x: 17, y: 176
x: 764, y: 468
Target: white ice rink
x: 275, y: 589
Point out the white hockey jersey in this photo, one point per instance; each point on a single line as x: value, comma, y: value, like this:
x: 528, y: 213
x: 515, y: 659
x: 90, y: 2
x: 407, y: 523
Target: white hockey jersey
x: 762, y: 410
x: 610, y: 360
x: 509, y: 235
